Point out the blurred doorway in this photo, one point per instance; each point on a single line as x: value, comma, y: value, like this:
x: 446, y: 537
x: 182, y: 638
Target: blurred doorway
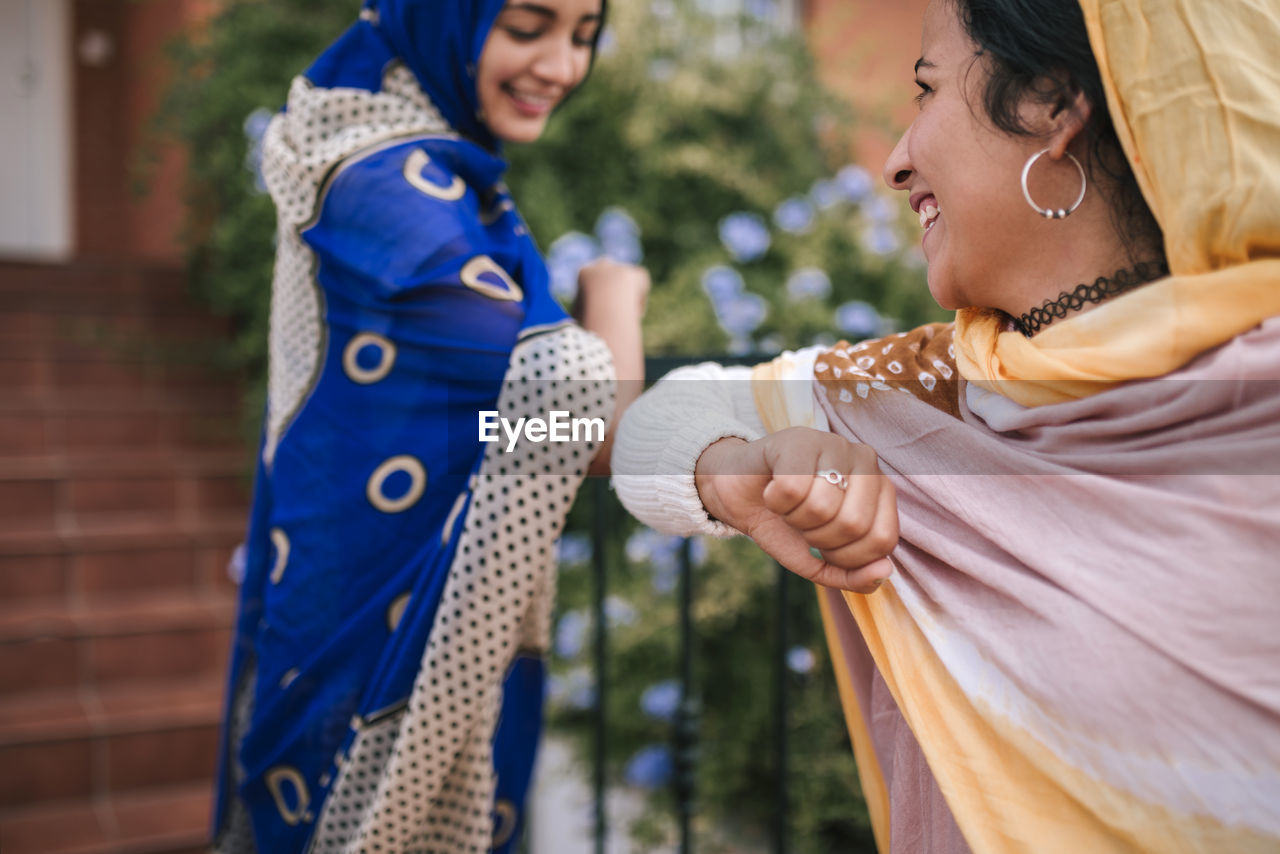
x: 35, y: 130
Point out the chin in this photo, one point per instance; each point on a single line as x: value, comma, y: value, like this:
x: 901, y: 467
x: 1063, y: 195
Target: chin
x: 942, y: 291
x: 518, y: 132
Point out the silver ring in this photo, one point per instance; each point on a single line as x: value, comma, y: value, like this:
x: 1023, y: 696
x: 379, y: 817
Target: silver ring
x: 833, y: 477
x: 1050, y: 213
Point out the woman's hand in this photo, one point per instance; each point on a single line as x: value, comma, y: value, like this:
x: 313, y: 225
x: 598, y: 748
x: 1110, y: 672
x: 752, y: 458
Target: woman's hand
x: 771, y: 491
x: 611, y: 301
x: 612, y: 286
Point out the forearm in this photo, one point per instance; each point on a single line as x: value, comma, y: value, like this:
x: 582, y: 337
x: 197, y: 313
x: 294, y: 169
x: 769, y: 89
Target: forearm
x: 666, y: 432
x: 619, y: 327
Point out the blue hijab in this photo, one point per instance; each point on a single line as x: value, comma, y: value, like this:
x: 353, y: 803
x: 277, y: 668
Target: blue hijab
x: 439, y: 40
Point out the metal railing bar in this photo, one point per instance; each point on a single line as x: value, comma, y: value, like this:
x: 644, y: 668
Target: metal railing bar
x: 599, y: 563
x: 686, y: 728
x: 780, y: 683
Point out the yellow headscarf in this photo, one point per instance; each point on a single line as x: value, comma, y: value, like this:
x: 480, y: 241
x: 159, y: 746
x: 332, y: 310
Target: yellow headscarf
x: 1195, y: 97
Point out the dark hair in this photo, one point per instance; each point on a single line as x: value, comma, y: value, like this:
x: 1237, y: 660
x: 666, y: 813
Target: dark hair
x: 1040, y: 49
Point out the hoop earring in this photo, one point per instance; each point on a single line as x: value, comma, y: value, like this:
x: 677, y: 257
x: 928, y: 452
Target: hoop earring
x: 1049, y: 213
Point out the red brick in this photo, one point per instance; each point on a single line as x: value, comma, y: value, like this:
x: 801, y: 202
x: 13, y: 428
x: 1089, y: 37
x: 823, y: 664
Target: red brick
x: 112, y: 573
x: 75, y: 826
x: 157, y: 655
x: 157, y: 758
x: 102, y: 373
x: 153, y: 495
x: 24, y: 376
x: 37, y: 664
x: 222, y: 493
x: 32, y: 577
x: 23, y: 434
x: 101, y: 431
x: 42, y: 771
x: 24, y: 500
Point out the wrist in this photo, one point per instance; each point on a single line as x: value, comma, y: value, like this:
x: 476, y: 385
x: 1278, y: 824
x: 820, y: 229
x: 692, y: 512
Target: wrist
x: 713, y: 462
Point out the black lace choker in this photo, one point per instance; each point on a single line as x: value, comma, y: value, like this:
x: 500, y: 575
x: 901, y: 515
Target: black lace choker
x: 1102, y: 288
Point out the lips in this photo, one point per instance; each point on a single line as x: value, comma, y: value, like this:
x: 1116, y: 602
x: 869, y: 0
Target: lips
x: 530, y: 103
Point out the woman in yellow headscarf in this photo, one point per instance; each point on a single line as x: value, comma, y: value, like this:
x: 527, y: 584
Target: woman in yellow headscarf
x: 1073, y: 644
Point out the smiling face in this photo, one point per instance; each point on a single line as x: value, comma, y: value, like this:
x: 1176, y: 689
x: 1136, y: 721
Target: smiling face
x: 534, y: 56
x: 962, y: 174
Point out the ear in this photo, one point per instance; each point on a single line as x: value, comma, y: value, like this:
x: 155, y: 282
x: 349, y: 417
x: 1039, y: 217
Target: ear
x: 1070, y: 117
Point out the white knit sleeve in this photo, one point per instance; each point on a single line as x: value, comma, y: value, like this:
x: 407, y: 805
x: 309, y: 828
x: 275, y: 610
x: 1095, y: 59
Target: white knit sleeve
x: 664, y: 432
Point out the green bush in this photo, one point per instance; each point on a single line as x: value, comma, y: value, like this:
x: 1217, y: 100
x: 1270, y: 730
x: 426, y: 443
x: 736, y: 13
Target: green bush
x: 700, y: 140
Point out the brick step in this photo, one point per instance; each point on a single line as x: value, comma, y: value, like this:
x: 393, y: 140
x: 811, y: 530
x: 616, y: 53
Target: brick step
x: 49, y: 491
x: 89, y: 562
x: 146, y: 638
x: 167, y: 820
x: 58, y: 285
x: 43, y: 377
x: 111, y: 329
x: 111, y: 740
x: 95, y: 424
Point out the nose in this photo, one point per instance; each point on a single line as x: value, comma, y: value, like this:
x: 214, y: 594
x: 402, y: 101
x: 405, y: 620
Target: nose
x: 897, y: 168
x: 559, y: 63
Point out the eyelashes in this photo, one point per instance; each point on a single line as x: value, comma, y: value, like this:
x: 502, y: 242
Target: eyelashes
x: 925, y: 89
x: 531, y: 35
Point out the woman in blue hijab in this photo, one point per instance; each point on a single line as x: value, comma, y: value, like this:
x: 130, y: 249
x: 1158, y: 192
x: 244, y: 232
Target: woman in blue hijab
x: 386, y: 680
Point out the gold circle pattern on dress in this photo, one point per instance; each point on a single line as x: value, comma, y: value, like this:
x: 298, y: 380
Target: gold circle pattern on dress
x: 411, y: 466
x: 281, y: 541
x: 351, y: 363
x: 481, y: 264
x: 413, y: 166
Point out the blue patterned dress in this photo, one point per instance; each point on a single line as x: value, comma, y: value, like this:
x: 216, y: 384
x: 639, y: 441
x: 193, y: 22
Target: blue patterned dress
x: 387, y: 676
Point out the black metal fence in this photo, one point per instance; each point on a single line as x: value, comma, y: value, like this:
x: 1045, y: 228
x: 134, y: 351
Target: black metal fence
x: 684, y: 733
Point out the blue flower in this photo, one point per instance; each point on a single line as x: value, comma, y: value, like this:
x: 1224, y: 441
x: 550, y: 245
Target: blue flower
x: 607, y: 43
x: 808, y: 283
x: 665, y: 579
x: 880, y: 210
x: 236, y: 566
x: 256, y: 124
x: 721, y: 284
x: 255, y: 128
x: 660, y: 701
x: 745, y: 235
x: 881, y: 239
x: 618, y: 611
x: 825, y: 193
x: 697, y: 551
x: 576, y: 689
x: 566, y: 256
x: 800, y: 659
x: 573, y: 548
x: 855, y: 183
x: 650, y: 768
x: 858, y: 319
x: 661, y: 552
x: 641, y: 544
x: 571, y: 634
x: 741, y: 315
x: 661, y: 70
x: 619, y: 236
x: 770, y: 345
x: 794, y: 216
x: 761, y: 10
